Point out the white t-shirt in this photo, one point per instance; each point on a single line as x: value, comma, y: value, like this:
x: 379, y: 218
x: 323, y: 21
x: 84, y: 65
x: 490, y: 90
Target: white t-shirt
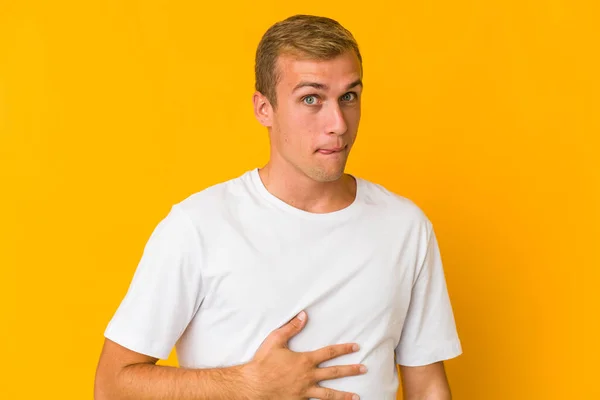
x: 232, y: 263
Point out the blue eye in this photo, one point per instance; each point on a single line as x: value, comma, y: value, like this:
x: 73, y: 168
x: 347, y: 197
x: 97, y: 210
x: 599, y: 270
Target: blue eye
x: 310, y: 100
x: 348, y: 97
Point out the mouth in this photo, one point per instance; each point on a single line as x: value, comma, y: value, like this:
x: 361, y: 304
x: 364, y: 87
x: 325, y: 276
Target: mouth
x: 332, y: 150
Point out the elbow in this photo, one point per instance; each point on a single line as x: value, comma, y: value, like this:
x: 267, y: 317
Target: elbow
x: 105, y: 385
x: 101, y: 387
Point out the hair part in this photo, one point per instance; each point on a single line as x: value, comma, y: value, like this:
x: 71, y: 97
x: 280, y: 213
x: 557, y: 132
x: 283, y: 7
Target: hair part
x: 304, y: 36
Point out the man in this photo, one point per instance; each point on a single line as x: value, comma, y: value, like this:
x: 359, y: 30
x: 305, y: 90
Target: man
x: 295, y: 280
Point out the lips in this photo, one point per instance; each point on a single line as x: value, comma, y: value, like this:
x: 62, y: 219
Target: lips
x: 331, y: 150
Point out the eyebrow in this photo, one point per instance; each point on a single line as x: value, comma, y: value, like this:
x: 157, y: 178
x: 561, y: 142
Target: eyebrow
x: 321, y: 86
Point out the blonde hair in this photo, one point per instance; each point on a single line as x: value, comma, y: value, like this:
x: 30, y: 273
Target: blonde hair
x: 306, y: 36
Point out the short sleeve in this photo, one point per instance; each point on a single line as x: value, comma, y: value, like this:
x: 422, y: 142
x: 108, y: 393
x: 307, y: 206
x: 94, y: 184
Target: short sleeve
x: 165, y: 291
x: 429, y: 332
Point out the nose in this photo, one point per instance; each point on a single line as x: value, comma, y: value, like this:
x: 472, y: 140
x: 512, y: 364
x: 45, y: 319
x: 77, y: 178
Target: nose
x: 336, y: 122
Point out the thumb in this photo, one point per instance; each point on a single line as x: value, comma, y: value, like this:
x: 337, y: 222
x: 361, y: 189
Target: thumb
x: 291, y: 329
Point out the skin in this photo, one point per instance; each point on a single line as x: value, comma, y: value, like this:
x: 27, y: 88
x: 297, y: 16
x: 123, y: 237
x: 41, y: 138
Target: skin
x: 428, y: 382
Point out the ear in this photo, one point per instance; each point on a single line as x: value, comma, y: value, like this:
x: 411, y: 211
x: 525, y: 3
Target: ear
x: 263, y: 111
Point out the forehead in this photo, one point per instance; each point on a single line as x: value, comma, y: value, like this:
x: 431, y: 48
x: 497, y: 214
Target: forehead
x: 337, y: 71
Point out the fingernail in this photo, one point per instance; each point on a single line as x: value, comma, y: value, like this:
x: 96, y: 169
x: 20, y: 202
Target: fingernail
x: 355, y: 347
x: 302, y: 316
x: 355, y: 397
x: 363, y: 369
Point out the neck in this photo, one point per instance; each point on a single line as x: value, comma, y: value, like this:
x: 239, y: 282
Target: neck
x: 300, y: 191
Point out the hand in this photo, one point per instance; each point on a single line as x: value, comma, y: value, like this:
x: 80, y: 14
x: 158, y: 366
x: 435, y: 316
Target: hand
x: 278, y: 373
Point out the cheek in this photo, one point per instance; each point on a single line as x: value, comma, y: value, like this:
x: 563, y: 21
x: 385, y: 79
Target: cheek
x: 352, y: 116
x: 302, y: 120
x: 298, y: 127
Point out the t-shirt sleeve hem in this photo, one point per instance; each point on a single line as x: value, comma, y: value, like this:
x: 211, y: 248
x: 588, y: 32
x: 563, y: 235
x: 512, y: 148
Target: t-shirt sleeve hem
x: 135, y: 344
x: 447, y: 352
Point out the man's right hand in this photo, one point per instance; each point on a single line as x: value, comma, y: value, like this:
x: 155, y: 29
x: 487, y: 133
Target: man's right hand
x: 276, y: 372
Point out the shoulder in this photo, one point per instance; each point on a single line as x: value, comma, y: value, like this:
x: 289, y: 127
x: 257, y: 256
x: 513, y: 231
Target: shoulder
x: 210, y: 203
x: 391, y: 204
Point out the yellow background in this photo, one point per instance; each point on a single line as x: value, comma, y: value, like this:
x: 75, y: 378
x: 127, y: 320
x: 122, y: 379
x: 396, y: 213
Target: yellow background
x: 485, y: 113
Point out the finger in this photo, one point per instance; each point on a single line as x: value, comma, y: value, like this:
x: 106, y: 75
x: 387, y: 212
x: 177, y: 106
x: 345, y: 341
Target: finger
x: 289, y: 330
x: 330, y: 352
x: 339, y: 371
x: 322, y: 393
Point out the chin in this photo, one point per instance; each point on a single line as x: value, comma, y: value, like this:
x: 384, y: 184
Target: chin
x: 323, y: 175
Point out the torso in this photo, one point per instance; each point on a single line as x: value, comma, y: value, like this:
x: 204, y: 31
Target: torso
x: 263, y: 262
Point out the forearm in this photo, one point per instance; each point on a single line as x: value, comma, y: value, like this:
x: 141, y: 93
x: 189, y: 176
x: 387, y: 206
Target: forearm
x: 154, y: 382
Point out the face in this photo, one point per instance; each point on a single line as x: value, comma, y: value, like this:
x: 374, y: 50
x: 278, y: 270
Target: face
x: 315, y: 123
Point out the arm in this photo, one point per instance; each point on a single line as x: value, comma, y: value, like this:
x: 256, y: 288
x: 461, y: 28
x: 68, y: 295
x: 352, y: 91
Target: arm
x: 429, y: 334
x: 275, y: 372
x: 428, y: 382
x: 123, y: 374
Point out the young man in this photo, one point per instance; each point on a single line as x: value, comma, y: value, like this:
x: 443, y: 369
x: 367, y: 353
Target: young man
x: 295, y: 280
